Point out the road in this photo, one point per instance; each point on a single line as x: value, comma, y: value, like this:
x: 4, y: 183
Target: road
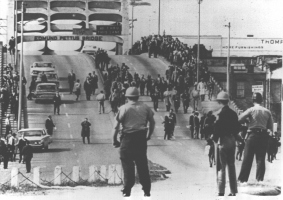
x: 184, y: 156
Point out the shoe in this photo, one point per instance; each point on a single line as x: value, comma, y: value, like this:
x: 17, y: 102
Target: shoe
x: 220, y: 194
x: 147, y: 194
x: 125, y: 193
x: 28, y: 172
x: 99, y: 112
x: 231, y: 194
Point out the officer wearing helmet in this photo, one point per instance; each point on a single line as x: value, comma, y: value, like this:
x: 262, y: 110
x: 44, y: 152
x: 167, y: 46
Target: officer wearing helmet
x: 134, y: 117
x: 226, y: 129
x: 260, y: 120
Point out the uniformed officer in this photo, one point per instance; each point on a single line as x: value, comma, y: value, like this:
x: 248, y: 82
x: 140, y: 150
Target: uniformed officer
x: 260, y: 119
x: 226, y: 129
x: 134, y: 117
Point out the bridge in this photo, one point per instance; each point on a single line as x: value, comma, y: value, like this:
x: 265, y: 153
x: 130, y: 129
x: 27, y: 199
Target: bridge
x: 59, y: 19
x: 191, y: 175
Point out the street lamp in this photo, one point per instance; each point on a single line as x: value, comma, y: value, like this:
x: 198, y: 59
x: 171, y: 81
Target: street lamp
x: 199, y: 2
x: 228, y: 61
x: 16, y: 33
x: 159, y: 18
x: 21, y: 70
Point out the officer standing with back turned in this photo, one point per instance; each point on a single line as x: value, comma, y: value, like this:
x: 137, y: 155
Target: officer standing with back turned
x: 260, y: 119
x: 134, y: 117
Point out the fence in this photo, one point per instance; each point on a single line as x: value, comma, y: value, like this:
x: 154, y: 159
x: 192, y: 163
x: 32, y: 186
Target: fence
x: 112, y: 175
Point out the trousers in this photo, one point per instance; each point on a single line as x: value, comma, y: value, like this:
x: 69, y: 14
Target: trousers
x: 226, y: 158
x: 133, y: 151
x: 256, y: 144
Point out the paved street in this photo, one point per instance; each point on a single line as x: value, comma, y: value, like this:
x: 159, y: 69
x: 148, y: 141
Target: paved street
x: 184, y: 157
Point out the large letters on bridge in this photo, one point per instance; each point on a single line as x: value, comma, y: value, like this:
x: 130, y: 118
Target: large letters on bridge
x: 52, y: 38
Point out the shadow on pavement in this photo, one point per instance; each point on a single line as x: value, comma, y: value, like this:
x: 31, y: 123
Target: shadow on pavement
x: 51, y: 150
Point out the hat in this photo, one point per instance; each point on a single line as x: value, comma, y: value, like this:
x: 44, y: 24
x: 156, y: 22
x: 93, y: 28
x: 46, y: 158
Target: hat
x: 222, y: 96
x: 132, y: 92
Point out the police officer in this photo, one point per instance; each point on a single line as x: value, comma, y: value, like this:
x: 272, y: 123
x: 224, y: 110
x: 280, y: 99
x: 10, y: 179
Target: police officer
x: 260, y: 119
x: 225, y: 134
x: 134, y: 117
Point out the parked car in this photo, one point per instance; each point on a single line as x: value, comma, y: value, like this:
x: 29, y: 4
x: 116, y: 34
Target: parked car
x: 38, y: 67
x: 45, y: 91
x: 38, y: 137
x: 52, y: 77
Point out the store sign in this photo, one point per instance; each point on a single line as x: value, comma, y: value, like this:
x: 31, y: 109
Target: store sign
x: 239, y: 68
x: 257, y: 88
x: 108, y: 30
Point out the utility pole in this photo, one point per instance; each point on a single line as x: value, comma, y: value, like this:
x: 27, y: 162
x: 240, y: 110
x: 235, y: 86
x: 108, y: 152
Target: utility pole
x: 228, y: 61
x: 132, y: 26
x: 159, y: 18
x: 16, y: 34
x: 21, y: 70
x: 199, y: 2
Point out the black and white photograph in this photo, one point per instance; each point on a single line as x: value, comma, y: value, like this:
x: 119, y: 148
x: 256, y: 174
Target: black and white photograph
x: 141, y: 99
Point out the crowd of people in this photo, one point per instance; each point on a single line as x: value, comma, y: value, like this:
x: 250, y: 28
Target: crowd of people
x: 10, y: 144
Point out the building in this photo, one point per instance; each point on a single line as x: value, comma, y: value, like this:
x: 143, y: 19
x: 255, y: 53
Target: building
x: 248, y: 75
x: 239, y: 47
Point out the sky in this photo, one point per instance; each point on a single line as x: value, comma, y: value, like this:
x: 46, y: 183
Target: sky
x: 261, y: 18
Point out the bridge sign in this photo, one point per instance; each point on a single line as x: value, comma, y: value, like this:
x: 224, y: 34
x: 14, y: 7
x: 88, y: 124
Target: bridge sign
x: 108, y: 30
x: 82, y: 31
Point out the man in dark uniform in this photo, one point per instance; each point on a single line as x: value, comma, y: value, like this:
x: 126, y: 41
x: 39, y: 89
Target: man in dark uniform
x: 134, y: 117
x: 260, y: 120
x: 154, y: 98
x: 196, y: 125
x: 227, y: 128
x: 191, y: 124
x: 4, y: 152
x: 49, y: 125
x: 71, y: 80
x: 28, y: 154
x: 85, y: 133
x: 57, y: 103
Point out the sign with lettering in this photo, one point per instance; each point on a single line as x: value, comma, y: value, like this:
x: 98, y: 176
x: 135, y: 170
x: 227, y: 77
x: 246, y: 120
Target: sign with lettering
x: 105, y: 38
x: 82, y: 31
x: 257, y: 88
x: 239, y: 68
x: 108, y: 30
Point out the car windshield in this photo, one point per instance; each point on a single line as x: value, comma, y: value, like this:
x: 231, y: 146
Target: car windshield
x: 32, y: 133
x: 51, y: 76
x: 43, y: 65
x: 39, y: 72
x: 47, y: 87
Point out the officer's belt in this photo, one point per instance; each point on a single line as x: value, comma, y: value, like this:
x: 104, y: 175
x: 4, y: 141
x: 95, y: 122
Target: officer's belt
x: 258, y: 130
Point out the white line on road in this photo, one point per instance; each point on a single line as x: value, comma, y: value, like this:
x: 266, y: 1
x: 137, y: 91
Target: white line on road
x: 67, y: 115
x: 69, y: 125
x: 74, y: 145
x: 64, y: 105
x: 71, y: 136
x: 62, y: 95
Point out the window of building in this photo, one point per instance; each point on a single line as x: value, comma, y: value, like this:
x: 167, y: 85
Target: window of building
x: 223, y: 85
x: 240, y: 89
